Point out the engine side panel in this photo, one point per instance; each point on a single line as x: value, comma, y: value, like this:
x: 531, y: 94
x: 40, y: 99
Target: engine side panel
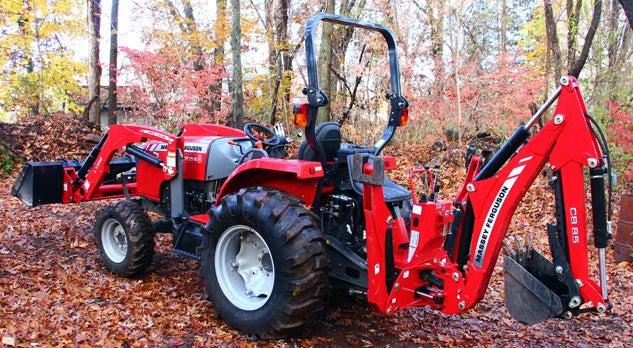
x: 205, y: 157
x: 223, y: 158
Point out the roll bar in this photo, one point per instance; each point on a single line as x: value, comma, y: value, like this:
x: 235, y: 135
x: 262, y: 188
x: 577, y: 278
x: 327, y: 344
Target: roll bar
x: 316, y: 97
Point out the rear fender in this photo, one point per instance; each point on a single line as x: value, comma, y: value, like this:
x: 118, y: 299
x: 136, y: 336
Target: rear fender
x: 299, y: 178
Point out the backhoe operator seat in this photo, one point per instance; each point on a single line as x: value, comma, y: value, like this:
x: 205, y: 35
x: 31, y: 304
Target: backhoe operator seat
x: 328, y: 135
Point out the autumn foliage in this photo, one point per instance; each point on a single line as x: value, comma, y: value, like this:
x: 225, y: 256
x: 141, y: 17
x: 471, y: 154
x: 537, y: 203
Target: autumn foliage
x: 495, y: 100
x: 172, y: 88
x: 621, y: 135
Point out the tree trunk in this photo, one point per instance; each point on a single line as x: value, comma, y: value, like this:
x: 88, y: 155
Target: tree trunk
x: 627, y: 5
x: 279, y: 55
x: 94, y: 68
x: 286, y: 53
x: 436, y: 10
x: 112, y: 85
x: 218, y: 53
x: 325, y: 62
x: 237, y: 96
x: 34, y: 104
x: 40, y: 73
x: 456, y: 58
x: 552, y: 39
x: 504, y: 24
x: 573, y: 18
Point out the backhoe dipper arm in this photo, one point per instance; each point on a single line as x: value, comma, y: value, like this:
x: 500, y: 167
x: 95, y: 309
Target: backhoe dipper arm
x: 86, y: 183
x: 569, y: 145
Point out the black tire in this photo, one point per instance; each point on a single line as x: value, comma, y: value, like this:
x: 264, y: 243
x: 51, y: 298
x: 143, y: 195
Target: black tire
x: 124, y: 237
x: 287, y: 280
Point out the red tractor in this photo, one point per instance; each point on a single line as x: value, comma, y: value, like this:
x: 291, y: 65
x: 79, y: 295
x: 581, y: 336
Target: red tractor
x: 275, y: 236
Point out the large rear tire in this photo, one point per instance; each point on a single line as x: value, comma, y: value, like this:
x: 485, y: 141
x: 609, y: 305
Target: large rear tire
x: 265, y: 268
x: 125, y: 239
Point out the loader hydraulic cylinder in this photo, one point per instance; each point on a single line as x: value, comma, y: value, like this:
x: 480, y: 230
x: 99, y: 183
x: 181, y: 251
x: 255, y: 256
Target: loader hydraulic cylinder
x: 94, y: 153
x: 142, y: 155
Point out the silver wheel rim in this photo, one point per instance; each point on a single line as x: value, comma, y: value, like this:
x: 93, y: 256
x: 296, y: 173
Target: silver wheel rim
x: 114, y: 240
x: 244, y: 267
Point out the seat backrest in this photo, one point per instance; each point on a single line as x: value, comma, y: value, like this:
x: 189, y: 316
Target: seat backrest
x: 328, y: 135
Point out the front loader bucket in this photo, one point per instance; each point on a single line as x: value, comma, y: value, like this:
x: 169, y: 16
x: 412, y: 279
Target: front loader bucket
x: 39, y: 183
x: 528, y: 299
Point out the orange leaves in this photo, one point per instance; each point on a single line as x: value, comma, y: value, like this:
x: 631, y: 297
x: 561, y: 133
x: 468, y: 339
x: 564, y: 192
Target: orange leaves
x: 48, y: 137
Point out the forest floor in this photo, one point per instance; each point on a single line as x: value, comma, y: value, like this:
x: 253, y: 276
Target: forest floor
x: 55, y: 291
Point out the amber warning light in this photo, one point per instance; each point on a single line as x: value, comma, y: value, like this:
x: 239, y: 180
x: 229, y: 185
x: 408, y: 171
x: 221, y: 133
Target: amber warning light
x: 300, y: 117
x: 404, y: 117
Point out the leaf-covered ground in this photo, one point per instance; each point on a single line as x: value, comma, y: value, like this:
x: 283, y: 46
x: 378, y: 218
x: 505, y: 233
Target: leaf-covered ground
x: 54, y: 290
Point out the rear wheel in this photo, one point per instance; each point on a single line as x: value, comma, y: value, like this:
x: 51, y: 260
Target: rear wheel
x: 265, y: 268
x: 124, y: 238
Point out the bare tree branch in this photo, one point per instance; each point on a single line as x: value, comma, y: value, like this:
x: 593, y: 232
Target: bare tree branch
x: 595, y: 20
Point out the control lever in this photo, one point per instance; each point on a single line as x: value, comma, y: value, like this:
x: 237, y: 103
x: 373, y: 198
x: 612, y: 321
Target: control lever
x: 436, y: 185
x: 427, y: 183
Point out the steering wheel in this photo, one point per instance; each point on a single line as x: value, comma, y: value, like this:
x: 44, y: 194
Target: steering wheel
x: 262, y: 133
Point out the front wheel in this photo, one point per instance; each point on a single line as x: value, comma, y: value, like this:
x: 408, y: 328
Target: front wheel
x: 265, y: 268
x: 124, y: 237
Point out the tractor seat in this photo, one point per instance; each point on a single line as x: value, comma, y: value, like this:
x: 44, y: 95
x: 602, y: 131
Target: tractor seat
x: 328, y: 135
x: 392, y: 192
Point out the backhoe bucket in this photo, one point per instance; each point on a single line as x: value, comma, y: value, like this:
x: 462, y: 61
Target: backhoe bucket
x: 39, y: 183
x: 528, y: 297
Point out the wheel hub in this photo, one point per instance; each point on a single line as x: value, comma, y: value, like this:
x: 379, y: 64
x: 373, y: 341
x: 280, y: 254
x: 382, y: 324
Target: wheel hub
x: 252, y: 265
x: 114, y: 240
x: 244, y: 267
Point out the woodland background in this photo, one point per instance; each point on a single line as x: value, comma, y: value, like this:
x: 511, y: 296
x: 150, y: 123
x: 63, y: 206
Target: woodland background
x: 468, y: 67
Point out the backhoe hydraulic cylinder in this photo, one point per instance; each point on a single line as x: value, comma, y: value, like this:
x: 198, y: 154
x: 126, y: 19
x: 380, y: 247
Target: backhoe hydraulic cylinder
x: 601, y: 234
x: 507, y: 150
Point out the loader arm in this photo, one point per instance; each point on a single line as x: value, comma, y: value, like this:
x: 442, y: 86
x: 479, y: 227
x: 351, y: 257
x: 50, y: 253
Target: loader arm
x: 427, y: 275
x: 86, y: 182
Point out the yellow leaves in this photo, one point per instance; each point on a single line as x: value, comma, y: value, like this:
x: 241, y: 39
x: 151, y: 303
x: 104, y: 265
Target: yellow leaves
x: 533, y: 42
x: 39, y: 74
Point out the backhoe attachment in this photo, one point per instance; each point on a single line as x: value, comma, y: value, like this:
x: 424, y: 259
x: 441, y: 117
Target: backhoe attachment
x: 447, y: 260
x: 536, y: 288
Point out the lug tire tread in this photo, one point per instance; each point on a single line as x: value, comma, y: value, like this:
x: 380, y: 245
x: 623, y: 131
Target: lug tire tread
x: 301, y: 268
x: 138, y: 227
